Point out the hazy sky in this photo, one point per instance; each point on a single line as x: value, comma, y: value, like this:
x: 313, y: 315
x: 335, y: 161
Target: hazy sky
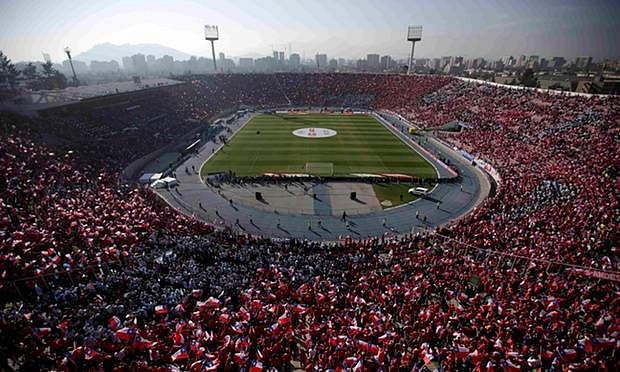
x: 349, y: 28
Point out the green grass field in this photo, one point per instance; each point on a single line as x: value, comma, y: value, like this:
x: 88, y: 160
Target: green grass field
x: 394, y: 191
x: 362, y: 145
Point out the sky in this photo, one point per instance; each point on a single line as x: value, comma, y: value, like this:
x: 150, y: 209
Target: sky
x: 339, y: 28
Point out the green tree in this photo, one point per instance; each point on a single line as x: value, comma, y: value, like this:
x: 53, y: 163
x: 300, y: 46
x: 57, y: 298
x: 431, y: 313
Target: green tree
x: 49, y: 79
x: 7, y: 69
x: 528, y: 79
x: 30, y: 71
x: 48, y: 69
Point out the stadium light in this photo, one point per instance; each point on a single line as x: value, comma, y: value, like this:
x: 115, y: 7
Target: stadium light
x: 413, y: 34
x: 75, y: 80
x: 212, y: 34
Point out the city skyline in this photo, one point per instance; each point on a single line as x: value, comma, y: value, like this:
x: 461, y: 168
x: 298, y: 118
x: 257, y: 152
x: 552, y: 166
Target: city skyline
x: 344, y: 30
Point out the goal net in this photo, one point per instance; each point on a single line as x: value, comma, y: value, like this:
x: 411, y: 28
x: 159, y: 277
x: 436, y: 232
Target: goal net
x: 320, y: 169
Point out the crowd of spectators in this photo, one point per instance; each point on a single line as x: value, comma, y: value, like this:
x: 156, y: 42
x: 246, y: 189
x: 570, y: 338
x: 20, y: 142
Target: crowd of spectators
x: 558, y: 159
x: 94, y: 275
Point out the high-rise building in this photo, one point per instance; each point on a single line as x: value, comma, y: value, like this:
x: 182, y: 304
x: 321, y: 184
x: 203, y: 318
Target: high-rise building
x: 139, y: 64
x: 558, y: 62
x: 420, y: 62
x: 478, y: 63
x: 532, y: 62
x: 246, y: 64
x: 127, y: 64
x: 321, y: 61
x: 583, y: 62
x: 103, y: 67
x: 456, y: 61
x: 497, y: 65
x: 386, y: 63
x: 79, y: 66
x: 228, y: 65
x: 294, y: 61
x: 361, y: 65
x: 445, y: 61
x: 509, y: 61
x: 281, y: 56
x: 372, y: 62
x: 166, y: 64
x: 333, y: 64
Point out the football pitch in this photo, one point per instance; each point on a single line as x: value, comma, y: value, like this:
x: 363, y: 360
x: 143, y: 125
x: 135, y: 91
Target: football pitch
x: 361, y: 145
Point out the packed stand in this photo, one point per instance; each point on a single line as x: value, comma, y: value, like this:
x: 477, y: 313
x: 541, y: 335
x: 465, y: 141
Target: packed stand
x: 558, y: 159
x: 98, y: 276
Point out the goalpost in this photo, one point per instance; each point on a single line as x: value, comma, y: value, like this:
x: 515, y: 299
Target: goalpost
x: 320, y: 169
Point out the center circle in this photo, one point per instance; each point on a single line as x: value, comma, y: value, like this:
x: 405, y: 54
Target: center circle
x: 314, y: 132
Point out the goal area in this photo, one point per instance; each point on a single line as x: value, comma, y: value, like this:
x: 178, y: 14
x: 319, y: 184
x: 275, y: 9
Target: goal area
x: 320, y: 169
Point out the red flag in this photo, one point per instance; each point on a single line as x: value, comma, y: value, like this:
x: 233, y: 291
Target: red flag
x: 511, y: 367
x: 359, y: 366
x: 125, y: 334
x: 202, y: 365
x: 114, y: 323
x: 42, y: 332
x: 90, y: 354
x: 461, y: 352
x: 243, y: 315
x: 196, y: 366
x: 213, y: 303
x: 178, y: 339
x: 211, y: 366
x: 161, y: 310
x: 257, y: 366
x: 142, y: 343
x: 284, y: 320
x: 181, y: 354
x: 568, y: 355
x: 240, y: 358
x: 224, y: 318
x: 350, y: 361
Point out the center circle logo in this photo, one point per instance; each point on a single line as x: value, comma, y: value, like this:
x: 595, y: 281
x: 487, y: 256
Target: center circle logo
x: 314, y: 132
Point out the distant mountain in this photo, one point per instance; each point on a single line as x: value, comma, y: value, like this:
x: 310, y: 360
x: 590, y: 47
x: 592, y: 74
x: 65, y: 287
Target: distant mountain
x: 107, y: 52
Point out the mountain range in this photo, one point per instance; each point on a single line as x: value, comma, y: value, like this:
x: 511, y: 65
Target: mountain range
x: 108, y: 52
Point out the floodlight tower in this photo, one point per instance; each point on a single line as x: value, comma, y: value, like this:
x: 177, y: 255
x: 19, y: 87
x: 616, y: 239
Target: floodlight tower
x: 212, y: 34
x: 75, y: 80
x: 414, y: 34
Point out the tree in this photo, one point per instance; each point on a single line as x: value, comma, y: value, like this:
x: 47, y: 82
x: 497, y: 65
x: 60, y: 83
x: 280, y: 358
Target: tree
x: 30, y: 71
x: 49, y: 79
x: 7, y: 70
x: 48, y: 69
x: 528, y: 79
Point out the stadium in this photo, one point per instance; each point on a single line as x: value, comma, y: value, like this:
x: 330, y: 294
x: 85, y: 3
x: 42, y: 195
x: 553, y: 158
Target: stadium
x: 311, y: 221
x: 227, y: 298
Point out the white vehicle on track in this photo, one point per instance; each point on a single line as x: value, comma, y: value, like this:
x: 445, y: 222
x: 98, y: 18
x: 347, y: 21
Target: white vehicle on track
x: 420, y: 191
